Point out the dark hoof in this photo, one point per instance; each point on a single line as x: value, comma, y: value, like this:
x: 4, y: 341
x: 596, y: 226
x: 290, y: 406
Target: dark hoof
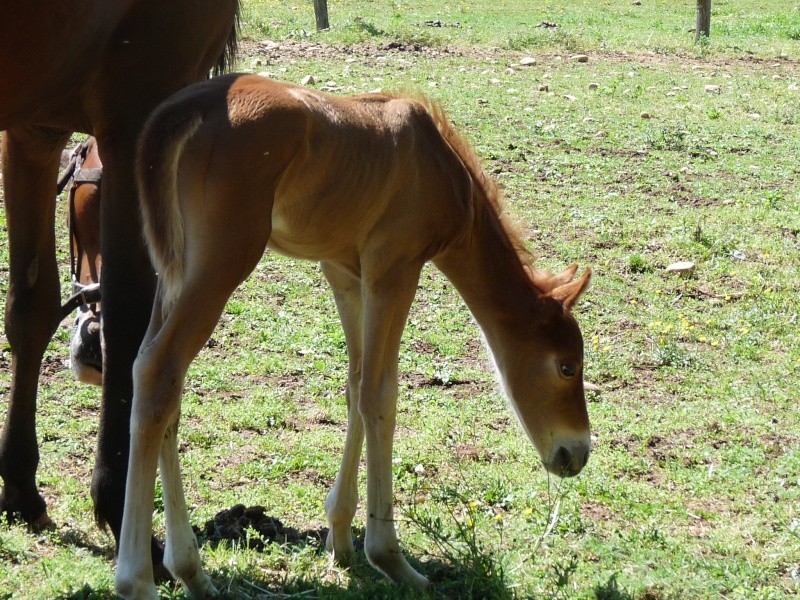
x: 27, y: 508
x: 36, y: 524
x: 41, y: 523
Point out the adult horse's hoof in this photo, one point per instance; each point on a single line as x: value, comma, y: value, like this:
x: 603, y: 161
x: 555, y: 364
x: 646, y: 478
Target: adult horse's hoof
x: 36, y: 524
x: 27, y: 507
x: 41, y: 523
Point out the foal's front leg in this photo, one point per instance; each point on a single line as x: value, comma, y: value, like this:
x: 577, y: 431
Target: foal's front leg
x: 386, y: 304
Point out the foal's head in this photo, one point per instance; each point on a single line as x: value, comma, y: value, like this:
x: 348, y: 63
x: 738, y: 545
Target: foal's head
x: 544, y: 374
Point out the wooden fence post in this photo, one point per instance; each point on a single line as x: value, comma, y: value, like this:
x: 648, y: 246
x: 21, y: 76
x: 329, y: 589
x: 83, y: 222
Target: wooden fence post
x: 703, y: 24
x: 321, y: 13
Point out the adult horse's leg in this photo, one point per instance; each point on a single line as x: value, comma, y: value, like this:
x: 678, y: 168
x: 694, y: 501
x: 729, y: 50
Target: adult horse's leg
x: 127, y: 289
x: 31, y: 159
x: 387, y: 292
x: 342, y: 501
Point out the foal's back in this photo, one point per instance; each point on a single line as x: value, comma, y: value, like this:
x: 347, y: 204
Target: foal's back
x: 326, y: 178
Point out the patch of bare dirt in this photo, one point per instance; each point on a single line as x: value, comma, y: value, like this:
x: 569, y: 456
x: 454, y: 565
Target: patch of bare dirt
x: 273, y: 52
x: 468, y: 452
x: 276, y: 52
x: 596, y: 512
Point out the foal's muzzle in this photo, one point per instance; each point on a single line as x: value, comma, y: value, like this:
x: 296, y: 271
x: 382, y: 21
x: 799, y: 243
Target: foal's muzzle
x: 569, y: 459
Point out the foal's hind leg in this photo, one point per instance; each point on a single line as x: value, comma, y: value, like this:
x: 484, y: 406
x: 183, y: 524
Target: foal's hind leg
x: 30, y: 168
x: 159, y: 373
x: 181, y: 555
x: 342, y: 501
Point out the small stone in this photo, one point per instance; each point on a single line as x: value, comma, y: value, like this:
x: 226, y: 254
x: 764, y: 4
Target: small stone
x: 755, y: 116
x: 683, y: 267
x: 581, y: 58
x: 589, y: 119
x: 637, y: 2
x: 527, y: 61
x: 739, y: 255
x: 494, y: 81
x: 257, y: 62
x: 594, y: 85
x: 646, y: 115
x: 570, y: 97
x: 543, y: 87
x: 713, y: 89
x: 793, y: 87
x: 509, y: 71
x: 308, y: 80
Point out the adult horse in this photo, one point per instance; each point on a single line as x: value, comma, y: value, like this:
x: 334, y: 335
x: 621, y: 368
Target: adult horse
x: 373, y: 187
x: 85, y: 172
x: 96, y: 67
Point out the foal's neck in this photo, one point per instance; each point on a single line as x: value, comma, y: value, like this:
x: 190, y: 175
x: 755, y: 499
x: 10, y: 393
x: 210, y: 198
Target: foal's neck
x: 488, y: 272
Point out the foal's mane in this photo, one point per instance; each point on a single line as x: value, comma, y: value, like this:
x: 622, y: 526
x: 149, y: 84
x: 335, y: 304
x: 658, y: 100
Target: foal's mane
x: 486, y: 193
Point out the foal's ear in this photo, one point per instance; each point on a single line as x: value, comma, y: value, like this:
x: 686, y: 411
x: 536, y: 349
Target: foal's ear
x: 546, y: 282
x: 568, y: 293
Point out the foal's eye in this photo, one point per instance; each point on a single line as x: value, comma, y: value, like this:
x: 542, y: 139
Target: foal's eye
x: 568, y: 370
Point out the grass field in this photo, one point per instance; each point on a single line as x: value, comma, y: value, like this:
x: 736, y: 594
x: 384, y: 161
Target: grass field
x: 654, y: 150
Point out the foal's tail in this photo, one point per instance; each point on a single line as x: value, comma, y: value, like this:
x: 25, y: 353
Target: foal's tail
x: 161, y: 145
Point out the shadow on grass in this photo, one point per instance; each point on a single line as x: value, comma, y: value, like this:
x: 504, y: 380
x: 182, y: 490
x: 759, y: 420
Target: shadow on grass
x: 457, y: 577
x: 89, y: 593
x: 448, y: 582
x: 454, y: 577
x: 78, y: 539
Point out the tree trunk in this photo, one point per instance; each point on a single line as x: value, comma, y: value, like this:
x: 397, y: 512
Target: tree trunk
x: 321, y: 13
x: 703, y: 25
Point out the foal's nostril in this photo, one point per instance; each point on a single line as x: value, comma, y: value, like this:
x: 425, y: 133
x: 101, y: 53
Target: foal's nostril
x: 562, y: 459
x: 566, y: 463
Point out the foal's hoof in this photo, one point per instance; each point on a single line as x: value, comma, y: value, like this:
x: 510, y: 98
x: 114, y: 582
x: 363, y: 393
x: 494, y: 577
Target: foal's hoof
x: 200, y: 587
x: 85, y: 351
x: 342, y: 552
x: 394, y: 565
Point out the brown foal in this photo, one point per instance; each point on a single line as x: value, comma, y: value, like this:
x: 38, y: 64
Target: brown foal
x: 371, y: 186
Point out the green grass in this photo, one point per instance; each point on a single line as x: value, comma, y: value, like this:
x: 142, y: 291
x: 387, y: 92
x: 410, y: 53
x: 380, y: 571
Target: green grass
x: 661, y: 27
x: 692, y: 490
